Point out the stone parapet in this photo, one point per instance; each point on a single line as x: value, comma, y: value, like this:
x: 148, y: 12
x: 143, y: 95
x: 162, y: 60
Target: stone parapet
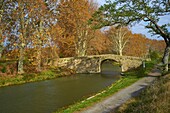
x: 92, y: 64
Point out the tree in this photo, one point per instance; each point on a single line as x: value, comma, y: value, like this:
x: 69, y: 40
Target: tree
x: 157, y: 45
x: 41, y: 17
x: 130, y: 11
x: 61, y: 41
x: 2, y: 3
x: 119, y: 38
x: 73, y: 16
x: 29, y: 21
x: 138, y: 46
x: 5, y: 9
x: 100, y: 44
x: 21, y: 24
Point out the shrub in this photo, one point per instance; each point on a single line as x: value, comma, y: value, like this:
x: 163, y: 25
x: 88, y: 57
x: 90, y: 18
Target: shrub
x: 3, y: 70
x: 27, y: 77
x: 154, y: 55
x: 48, y: 73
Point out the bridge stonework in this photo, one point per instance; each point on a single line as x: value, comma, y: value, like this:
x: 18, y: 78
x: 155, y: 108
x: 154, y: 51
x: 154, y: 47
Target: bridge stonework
x: 92, y: 64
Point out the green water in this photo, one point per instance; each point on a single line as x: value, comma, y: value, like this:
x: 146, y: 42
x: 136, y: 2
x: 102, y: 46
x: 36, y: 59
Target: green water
x: 50, y: 95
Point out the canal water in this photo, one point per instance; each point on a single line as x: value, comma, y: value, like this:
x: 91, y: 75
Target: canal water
x: 50, y: 95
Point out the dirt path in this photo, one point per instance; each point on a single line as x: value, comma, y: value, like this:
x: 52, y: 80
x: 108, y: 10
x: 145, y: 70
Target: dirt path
x: 111, y: 103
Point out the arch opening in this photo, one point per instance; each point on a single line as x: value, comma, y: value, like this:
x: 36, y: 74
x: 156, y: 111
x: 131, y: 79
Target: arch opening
x: 110, y: 67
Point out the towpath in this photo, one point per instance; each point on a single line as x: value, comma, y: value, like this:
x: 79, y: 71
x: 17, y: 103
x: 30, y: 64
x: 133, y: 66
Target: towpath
x: 110, y: 104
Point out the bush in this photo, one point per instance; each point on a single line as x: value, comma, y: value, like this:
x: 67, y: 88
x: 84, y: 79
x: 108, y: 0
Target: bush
x: 154, y: 55
x: 8, y: 67
x: 27, y: 77
x: 48, y: 73
x: 3, y: 70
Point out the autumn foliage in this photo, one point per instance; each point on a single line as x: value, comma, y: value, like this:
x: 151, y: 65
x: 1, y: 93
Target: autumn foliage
x: 34, y: 33
x: 140, y: 46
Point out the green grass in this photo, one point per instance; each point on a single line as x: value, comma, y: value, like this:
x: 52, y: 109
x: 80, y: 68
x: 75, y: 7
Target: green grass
x: 129, y: 78
x: 155, y: 99
x: 32, y: 77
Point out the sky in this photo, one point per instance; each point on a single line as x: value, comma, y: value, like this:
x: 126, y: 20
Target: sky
x: 139, y: 28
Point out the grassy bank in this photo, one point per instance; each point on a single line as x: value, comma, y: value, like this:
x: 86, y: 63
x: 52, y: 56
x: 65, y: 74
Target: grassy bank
x: 128, y: 79
x: 32, y: 77
x: 155, y: 99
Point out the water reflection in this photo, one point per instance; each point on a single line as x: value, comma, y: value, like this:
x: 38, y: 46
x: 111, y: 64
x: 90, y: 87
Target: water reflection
x: 110, y: 69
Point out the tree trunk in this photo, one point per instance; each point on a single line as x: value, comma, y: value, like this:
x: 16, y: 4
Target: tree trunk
x: 55, y: 55
x: 1, y: 43
x: 120, y: 52
x: 166, y: 57
x: 20, y: 61
x: 81, y: 49
x: 39, y: 58
x: 1, y: 49
x: 120, y: 42
x: 39, y: 46
x: 22, y: 38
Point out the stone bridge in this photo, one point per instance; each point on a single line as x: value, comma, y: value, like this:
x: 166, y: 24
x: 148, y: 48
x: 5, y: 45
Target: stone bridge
x: 92, y: 64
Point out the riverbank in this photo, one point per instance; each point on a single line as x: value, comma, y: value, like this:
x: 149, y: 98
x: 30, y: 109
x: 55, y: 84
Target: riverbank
x: 34, y: 77
x: 128, y: 79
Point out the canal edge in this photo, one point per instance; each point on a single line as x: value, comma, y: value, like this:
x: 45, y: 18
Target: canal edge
x: 111, y: 103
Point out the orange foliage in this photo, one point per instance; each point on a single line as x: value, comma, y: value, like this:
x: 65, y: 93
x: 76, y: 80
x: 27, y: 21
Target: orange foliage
x: 140, y: 46
x: 73, y: 19
x: 157, y: 45
x: 100, y: 44
x: 41, y: 40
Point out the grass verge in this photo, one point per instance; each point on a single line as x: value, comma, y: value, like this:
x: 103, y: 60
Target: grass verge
x: 155, y: 99
x: 33, y: 77
x: 128, y: 79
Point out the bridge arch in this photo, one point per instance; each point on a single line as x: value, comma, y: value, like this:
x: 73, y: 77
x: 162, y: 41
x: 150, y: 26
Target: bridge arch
x: 115, y: 62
